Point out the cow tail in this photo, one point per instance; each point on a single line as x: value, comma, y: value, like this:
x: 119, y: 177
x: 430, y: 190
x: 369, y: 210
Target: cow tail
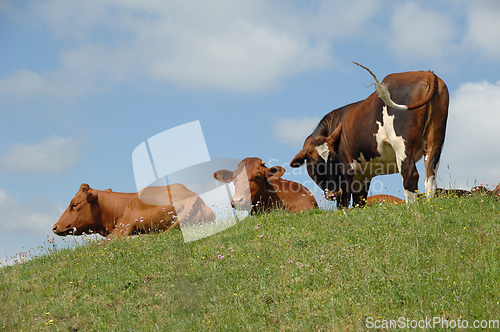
x: 383, y: 92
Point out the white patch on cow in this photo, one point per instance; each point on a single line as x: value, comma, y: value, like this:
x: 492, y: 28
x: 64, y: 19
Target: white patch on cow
x: 397, y: 142
x: 430, y: 182
x: 390, y: 147
x: 323, y: 151
x: 384, y: 146
x: 410, y: 197
x: 430, y: 186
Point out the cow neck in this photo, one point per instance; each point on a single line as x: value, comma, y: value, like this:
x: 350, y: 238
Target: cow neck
x: 265, y: 195
x: 112, y: 205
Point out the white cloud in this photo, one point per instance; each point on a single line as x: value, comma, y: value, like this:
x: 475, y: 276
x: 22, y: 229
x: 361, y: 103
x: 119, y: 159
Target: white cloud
x: 33, y: 217
x: 51, y: 156
x: 471, y: 146
x: 293, y: 131
x: 247, y: 57
x: 239, y: 46
x: 483, y: 18
x: 24, y: 82
x: 342, y: 18
x: 242, y: 46
x: 419, y: 32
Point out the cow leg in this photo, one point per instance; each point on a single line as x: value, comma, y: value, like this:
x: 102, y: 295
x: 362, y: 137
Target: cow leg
x: 122, y: 230
x: 409, y: 173
x: 185, y: 213
x: 432, y: 157
x: 360, y: 192
x: 435, y: 137
x: 344, y: 199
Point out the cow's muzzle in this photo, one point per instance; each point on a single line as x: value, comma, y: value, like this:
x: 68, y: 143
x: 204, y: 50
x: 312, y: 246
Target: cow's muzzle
x: 237, y: 201
x: 61, y: 232
x: 332, y: 196
x: 240, y: 203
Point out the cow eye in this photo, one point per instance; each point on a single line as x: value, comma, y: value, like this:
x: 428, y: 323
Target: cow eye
x: 258, y: 177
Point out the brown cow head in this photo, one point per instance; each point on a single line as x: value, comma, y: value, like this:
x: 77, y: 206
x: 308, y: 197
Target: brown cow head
x: 252, y: 181
x: 485, y: 191
x: 321, y: 154
x: 480, y: 190
x: 496, y: 191
x: 82, y: 214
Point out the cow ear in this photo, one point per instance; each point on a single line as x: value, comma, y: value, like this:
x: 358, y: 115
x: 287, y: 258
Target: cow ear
x: 299, y: 159
x: 91, y: 196
x: 335, y: 135
x: 275, y: 172
x: 223, y: 175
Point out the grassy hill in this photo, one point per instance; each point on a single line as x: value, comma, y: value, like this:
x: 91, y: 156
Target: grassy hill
x: 315, y: 271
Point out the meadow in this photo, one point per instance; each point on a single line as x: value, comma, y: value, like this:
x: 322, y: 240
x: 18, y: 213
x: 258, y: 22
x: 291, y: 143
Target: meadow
x: 320, y: 270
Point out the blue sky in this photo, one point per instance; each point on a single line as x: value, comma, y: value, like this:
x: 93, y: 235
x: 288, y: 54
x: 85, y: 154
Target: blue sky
x: 82, y: 84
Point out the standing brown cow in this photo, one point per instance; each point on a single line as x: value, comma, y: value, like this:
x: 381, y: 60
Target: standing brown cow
x: 376, y: 136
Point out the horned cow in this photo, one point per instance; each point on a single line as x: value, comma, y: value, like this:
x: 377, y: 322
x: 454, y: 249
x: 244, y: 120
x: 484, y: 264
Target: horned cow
x: 386, y: 133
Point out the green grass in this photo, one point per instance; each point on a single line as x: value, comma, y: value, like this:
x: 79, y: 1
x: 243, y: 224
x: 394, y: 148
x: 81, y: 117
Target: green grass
x: 315, y: 271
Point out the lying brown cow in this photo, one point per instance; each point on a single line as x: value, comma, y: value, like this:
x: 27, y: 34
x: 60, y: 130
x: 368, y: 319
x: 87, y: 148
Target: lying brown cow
x: 452, y: 192
x: 485, y: 191
x: 496, y: 191
x: 121, y: 214
x: 264, y: 189
x: 480, y: 190
x: 383, y: 198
